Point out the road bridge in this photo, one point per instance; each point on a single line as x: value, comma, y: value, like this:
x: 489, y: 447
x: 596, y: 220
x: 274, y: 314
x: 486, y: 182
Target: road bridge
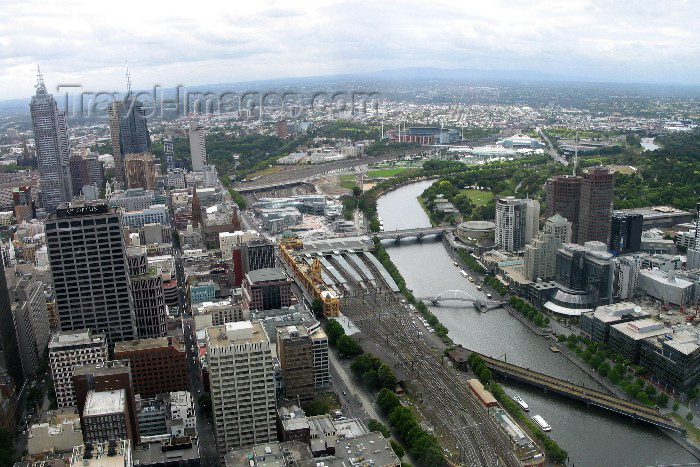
x: 417, y: 233
x: 590, y: 396
x: 462, y: 296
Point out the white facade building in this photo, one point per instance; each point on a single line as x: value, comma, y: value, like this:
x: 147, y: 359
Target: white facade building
x: 541, y: 254
x: 242, y: 383
x: 198, y: 148
x: 68, y: 349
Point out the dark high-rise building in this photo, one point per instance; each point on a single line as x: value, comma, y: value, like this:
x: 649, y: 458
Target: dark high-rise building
x: 259, y: 254
x: 52, y: 148
x: 9, y: 347
x: 105, y: 376
x: 147, y: 294
x: 129, y: 133
x: 196, y: 209
x: 625, y: 233
x: 563, y: 195
x: 596, y: 205
x: 87, y: 255
x: 295, y: 350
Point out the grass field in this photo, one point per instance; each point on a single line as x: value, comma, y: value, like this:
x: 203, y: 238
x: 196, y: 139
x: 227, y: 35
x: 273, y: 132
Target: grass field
x: 347, y: 181
x: 387, y: 172
x: 478, y: 197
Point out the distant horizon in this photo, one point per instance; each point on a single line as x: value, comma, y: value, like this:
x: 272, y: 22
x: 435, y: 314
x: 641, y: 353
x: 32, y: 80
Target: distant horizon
x: 466, y: 75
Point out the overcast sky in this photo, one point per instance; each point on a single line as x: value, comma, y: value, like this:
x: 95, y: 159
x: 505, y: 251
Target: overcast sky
x: 201, y: 42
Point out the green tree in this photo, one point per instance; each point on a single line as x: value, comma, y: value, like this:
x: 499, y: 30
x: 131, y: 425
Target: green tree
x: 348, y: 347
x: 398, y: 450
x: 356, y: 191
x: 374, y: 225
x: 693, y: 393
x: 689, y: 417
x: 676, y: 405
x: 376, y: 425
x: 662, y: 400
x: 386, y: 377
x: 334, y: 330
x: 316, y: 408
x: 387, y: 400
x: 317, y: 309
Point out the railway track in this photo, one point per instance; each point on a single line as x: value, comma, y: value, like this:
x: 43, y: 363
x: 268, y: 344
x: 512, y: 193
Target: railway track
x: 383, y: 318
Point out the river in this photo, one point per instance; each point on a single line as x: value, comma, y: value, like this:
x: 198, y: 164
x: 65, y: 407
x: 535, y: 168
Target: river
x: 592, y: 437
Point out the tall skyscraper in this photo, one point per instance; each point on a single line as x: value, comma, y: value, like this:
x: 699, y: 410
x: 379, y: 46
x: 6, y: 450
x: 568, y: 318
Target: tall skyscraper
x: 140, y: 171
x: 596, y: 205
x: 88, y: 261
x: 169, y: 153
x: 147, y: 294
x: 242, y: 383
x: 513, y: 224
x: 129, y: 133
x: 52, y: 147
x: 9, y: 346
x: 625, y: 233
x: 693, y: 253
x: 563, y: 194
x: 198, y: 148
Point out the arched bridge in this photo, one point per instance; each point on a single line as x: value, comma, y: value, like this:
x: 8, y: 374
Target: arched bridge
x: 462, y: 296
x: 418, y: 233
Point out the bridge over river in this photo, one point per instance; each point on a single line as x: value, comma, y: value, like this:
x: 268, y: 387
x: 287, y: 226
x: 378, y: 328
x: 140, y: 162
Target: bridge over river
x: 462, y: 296
x: 418, y: 233
x: 631, y: 409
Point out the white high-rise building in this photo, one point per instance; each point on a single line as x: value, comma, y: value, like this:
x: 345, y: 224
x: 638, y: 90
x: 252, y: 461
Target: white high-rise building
x: 198, y: 148
x: 169, y: 153
x: 532, y: 220
x: 69, y: 349
x: 511, y: 223
x: 52, y: 148
x: 541, y: 254
x: 242, y: 384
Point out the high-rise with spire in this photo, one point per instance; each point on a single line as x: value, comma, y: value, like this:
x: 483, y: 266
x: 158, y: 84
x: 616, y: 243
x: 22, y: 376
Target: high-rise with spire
x: 52, y: 147
x: 129, y: 131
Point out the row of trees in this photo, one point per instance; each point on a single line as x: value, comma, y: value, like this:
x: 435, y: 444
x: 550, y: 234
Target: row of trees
x: 496, y: 285
x: 553, y: 450
x: 529, y: 311
x: 616, y: 368
x: 470, y: 261
x: 347, y: 346
x: 373, y: 373
x: 421, y: 445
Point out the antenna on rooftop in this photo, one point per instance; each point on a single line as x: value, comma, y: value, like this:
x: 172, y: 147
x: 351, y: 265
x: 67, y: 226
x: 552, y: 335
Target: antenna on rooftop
x: 128, y: 78
x: 39, y: 77
x: 575, y: 152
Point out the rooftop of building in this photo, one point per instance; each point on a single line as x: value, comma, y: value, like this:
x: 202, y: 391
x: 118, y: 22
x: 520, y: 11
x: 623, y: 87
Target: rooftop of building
x: 107, y: 454
x: 167, y: 450
x: 641, y: 329
x: 77, y: 337
x: 684, y: 339
x: 145, y: 344
x: 266, y: 275
x: 666, y: 278
x: 651, y: 212
x: 240, y: 332
x: 609, y: 313
x: 81, y: 209
x: 104, y: 403
x: 292, y: 332
x: 269, y: 455
x: 111, y: 367
x: 366, y: 450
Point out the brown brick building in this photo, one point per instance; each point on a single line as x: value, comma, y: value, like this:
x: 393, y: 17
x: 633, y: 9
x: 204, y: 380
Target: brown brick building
x: 106, y: 376
x: 295, y: 351
x: 157, y: 365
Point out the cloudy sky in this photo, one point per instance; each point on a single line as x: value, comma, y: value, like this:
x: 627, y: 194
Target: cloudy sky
x: 201, y: 42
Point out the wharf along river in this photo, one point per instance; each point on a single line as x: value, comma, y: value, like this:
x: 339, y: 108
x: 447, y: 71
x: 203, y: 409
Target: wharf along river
x: 593, y: 437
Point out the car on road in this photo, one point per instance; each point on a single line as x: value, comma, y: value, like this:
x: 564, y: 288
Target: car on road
x: 345, y: 393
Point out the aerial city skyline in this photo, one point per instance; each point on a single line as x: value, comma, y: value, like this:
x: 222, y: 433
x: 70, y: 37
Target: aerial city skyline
x: 349, y: 234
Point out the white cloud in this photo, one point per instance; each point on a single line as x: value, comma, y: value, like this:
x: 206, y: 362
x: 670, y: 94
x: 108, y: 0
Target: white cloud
x: 203, y: 42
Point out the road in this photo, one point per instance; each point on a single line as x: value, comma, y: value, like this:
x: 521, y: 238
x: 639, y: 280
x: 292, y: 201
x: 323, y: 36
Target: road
x: 356, y: 403
x: 550, y: 148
